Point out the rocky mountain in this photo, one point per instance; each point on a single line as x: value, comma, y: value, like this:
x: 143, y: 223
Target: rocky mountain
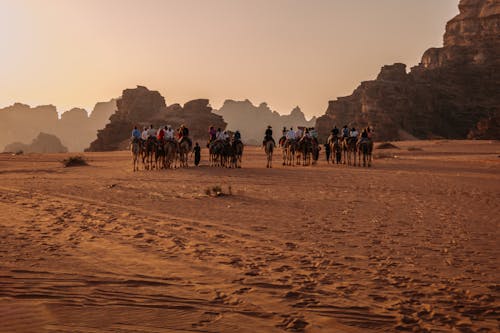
x: 252, y: 120
x: 75, y: 128
x: 143, y: 107
x: 453, y: 93
x: 43, y: 143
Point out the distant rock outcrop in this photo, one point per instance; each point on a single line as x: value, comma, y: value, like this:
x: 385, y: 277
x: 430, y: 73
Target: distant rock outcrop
x: 252, y: 120
x: 143, y: 107
x: 43, y: 143
x: 76, y: 129
x: 453, y: 93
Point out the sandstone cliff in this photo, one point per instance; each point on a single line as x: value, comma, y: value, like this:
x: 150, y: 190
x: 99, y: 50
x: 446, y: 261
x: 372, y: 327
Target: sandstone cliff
x: 252, y: 120
x: 453, y: 93
x: 43, y: 143
x: 75, y: 128
x: 143, y: 107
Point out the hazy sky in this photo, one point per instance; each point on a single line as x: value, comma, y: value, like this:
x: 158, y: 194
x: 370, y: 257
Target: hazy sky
x: 74, y: 53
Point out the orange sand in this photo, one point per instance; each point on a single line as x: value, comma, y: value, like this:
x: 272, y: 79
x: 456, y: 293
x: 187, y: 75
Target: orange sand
x: 410, y: 244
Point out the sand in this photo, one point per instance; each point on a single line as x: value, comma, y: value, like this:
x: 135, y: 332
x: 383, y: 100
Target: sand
x: 411, y: 244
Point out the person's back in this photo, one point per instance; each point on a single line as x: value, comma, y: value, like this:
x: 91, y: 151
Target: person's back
x: 298, y: 134
x: 237, y: 136
x: 345, y: 132
x: 161, y: 134
x: 335, y: 131
x: 144, y: 134
x: 151, y: 132
x: 291, y: 134
x: 354, y: 133
x: 136, y: 134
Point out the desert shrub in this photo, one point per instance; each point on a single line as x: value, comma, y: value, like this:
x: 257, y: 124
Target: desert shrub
x: 383, y: 155
x: 387, y: 145
x: 74, y: 161
x: 414, y: 149
x: 217, y: 191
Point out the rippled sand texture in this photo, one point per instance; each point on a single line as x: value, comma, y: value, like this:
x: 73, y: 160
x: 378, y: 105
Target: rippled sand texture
x: 410, y: 244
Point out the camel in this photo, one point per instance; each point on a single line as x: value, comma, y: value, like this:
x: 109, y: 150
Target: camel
x: 305, y: 147
x: 136, y: 149
x: 171, y: 148
x: 149, y: 153
x: 269, y: 148
x: 351, y: 145
x: 238, y: 153
x: 216, y: 149
x: 184, y: 150
x: 160, y: 155
x: 365, y: 147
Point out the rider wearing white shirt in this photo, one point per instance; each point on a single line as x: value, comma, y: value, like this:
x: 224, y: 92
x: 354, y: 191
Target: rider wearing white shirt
x: 144, y: 134
x: 354, y: 133
x: 298, y: 133
x: 290, y: 135
x: 169, y: 133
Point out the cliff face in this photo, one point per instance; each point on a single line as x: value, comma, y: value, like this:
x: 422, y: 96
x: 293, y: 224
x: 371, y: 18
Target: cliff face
x: 252, y: 120
x: 142, y: 107
x: 76, y: 129
x: 43, y: 143
x: 452, y: 93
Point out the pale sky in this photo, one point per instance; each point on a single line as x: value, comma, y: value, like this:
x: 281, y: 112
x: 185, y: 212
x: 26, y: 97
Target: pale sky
x: 74, y: 53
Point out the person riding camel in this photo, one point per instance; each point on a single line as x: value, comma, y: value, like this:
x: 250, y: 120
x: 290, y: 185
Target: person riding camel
x: 144, y: 134
x: 353, y: 135
x: 369, y: 132
x: 290, y: 135
x: 268, y: 136
x: 184, y: 135
x: 306, y: 137
x: 345, y: 132
x: 212, y: 134
x: 298, y: 134
x: 136, y: 134
x: 284, y: 132
x: 169, y: 133
x: 237, y: 136
x: 335, y: 132
x: 160, y: 135
x: 364, y: 136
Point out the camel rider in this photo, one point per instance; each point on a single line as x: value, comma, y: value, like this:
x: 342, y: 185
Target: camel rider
x: 298, y: 134
x: 237, y: 136
x: 144, y: 134
x: 369, y: 132
x: 136, y: 134
x: 284, y: 132
x: 345, y: 132
x: 268, y: 136
x: 220, y: 135
x: 335, y: 132
x: 290, y: 135
x: 184, y: 135
x: 151, y: 132
x: 169, y: 133
x: 160, y: 135
x: 364, y: 136
x: 353, y: 135
x: 314, y: 133
x: 212, y: 133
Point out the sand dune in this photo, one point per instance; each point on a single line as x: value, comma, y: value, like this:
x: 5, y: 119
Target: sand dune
x: 410, y: 244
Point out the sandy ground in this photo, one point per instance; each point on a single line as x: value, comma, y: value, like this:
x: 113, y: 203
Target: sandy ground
x: 411, y: 244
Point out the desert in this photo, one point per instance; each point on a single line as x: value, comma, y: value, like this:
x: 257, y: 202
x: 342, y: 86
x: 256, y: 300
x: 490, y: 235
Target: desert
x: 409, y: 244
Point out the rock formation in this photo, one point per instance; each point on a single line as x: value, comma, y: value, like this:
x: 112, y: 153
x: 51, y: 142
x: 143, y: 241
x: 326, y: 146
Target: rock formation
x: 252, y: 120
x: 143, y: 107
x: 43, y: 143
x: 453, y: 93
x: 75, y: 128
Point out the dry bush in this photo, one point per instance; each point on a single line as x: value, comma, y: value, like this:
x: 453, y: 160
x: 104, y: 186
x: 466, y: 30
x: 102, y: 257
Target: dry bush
x: 74, y: 161
x: 217, y: 191
x: 414, y: 149
x: 387, y: 145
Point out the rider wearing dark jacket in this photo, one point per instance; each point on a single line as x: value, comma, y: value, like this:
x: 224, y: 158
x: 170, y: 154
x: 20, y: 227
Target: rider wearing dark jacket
x: 269, y: 135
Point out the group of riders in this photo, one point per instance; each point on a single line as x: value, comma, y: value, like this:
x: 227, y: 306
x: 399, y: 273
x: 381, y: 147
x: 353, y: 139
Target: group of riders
x: 165, y: 147
x: 303, y: 144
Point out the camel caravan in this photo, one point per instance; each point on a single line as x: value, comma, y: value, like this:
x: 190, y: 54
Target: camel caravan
x: 168, y: 149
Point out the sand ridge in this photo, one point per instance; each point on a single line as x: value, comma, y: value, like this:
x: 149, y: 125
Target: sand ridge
x: 410, y: 244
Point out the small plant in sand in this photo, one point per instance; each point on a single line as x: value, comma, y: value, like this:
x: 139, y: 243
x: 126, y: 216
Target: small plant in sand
x: 74, y: 161
x: 216, y: 191
x: 387, y: 145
